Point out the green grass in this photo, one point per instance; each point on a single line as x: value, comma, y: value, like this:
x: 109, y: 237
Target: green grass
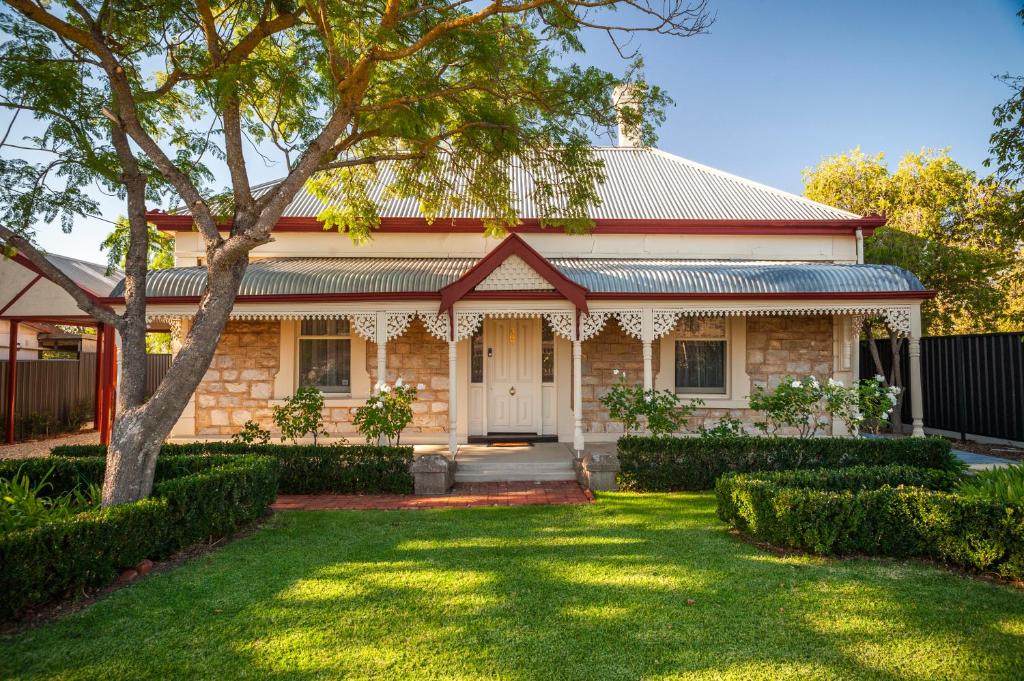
x: 584, y: 592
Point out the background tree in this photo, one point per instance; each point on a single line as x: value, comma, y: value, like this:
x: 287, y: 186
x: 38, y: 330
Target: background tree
x: 957, y: 232
x: 150, y: 100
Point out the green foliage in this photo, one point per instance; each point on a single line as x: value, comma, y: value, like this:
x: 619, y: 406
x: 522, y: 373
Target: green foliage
x: 252, y: 433
x: 161, y: 247
x: 888, y: 512
x: 875, y: 403
x: 25, y: 503
x: 387, y: 412
x: 301, y: 415
x: 960, y: 234
x: 62, y: 557
x: 674, y: 464
x: 1004, y: 484
x: 660, y: 412
x: 303, y: 469
x: 725, y: 427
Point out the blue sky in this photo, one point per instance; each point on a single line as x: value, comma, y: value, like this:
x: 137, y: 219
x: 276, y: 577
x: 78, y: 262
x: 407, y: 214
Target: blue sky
x: 776, y: 86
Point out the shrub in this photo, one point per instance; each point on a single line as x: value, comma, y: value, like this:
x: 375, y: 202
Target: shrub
x: 667, y: 464
x: 26, y: 501
x: 252, y: 433
x: 727, y: 426
x: 659, y: 411
x: 59, y: 558
x: 873, y: 517
x: 301, y: 415
x: 387, y: 413
x: 1004, y: 484
x: 304, y: 469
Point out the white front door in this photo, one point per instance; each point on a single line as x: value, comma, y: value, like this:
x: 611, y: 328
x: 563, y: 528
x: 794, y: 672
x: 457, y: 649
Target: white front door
x: 513, y: 376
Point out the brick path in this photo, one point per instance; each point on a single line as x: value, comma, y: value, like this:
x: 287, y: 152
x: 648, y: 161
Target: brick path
x: 463, y: 495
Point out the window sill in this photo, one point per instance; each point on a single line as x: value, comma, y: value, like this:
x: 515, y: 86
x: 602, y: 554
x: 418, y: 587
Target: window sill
x: 336, y: 400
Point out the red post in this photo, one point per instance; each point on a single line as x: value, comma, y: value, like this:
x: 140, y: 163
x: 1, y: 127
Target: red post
x: 109, y: 383
x: 12, y: 378
x: 97, y: 420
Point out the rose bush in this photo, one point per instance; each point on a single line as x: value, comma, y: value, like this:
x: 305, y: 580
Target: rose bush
x: 388, y: 412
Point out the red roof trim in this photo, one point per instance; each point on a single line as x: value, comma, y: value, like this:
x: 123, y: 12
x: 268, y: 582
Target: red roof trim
x: 513, y: 245
x: 183, y: 223
x: 542, y: 295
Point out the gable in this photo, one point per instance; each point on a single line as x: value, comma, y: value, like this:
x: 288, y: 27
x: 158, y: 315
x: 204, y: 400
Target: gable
x: 514, y: 274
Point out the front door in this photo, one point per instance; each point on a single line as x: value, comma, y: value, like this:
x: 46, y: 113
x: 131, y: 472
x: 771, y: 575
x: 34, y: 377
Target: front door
x: 513, y: 376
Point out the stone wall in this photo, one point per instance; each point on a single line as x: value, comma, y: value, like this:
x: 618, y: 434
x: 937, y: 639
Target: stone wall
x: 776, y: 347
x: 604, y: 353
x: 240, y: 382
x: 418, y: 357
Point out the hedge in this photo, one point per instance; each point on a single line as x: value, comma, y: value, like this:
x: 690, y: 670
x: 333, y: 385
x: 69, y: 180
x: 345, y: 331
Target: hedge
x: 876, y: 515
x: 59, y: 559
x: 305, y: 469
x: 693, y: 464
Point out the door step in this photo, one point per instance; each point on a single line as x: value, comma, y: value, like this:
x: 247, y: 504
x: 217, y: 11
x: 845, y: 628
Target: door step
x: 482, y: 471
x: 508, y: 438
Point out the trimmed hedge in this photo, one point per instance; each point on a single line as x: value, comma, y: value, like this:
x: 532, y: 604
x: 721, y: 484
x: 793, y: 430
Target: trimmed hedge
x: 693, y: 464
x: 876, y: 515
x: 305, y: 469
x: 212, y: 498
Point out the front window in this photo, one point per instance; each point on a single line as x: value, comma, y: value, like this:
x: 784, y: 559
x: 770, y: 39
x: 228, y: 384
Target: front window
x: 701, y: 356
x: 476, y: 357
x: 325, y: 355
x: 547, y: 353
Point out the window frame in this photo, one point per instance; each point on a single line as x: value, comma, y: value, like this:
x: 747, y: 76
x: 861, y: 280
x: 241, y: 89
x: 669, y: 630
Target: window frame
x: 299, y: 337
x: 680, y: 335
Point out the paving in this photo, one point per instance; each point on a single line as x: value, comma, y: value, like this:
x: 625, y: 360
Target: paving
x: 463, y: 495
x: 545, y: 461
x: 982, y: 462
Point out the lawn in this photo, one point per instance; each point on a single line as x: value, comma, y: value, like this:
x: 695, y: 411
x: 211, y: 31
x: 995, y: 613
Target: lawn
x: 571, y: 592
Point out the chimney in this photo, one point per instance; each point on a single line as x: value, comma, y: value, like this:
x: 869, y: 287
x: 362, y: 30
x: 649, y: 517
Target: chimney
x: 627, y: 96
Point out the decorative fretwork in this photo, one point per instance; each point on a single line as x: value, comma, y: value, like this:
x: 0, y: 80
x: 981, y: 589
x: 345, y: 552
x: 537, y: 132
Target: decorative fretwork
x: 514, y: 275
x: 562, y: 324
x: 898, y: 320
x: 631, y: 322
x: 437, y: 325
x: 397, y: 323
x: 365, y: 324
x: 665, y: 321
x: 592, y: 323
x: 466, y: 324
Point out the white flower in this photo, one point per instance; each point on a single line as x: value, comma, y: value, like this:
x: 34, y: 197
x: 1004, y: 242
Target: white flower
x: 398, y: 383
x: 377, y: 385
x: 814, y: 381
x: 385, y: 388
x: 797, y: 384
x: 880, y: 378
x: 615, y: 372
x: 892, y: 399
x: 834, y: 383
x: 420, y: 386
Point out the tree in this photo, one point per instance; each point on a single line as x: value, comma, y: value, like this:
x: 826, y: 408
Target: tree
x: 161, y: 257
x: 957, y: 232
x: 145, y: 98
x: 952, y: 229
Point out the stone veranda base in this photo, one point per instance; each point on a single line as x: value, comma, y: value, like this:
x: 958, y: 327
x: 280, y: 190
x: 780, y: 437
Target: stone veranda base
x: 462, y: 495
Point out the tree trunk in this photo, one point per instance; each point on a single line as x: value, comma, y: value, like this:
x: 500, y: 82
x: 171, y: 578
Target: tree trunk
x: 139, y: 430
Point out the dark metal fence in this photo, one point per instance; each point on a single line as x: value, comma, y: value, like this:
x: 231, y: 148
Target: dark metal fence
x: 972, y: 383
x: 56, y: 395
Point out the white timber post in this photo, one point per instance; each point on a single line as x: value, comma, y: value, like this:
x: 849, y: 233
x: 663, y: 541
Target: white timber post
x: 453, y: 391
x: 647, y: 339
x: 916, y: 389
x: 577, y: 392
x: 382, y: 348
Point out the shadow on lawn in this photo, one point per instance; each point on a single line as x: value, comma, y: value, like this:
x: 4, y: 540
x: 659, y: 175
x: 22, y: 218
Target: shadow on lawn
x: 544, y: 592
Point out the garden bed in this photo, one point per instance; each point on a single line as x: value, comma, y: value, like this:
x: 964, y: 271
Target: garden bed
x: 194, y: 498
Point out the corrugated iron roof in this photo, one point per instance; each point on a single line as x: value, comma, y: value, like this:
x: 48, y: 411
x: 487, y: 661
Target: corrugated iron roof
x: 88, y: 275
x: 309, y: 276
x: 641, y: 184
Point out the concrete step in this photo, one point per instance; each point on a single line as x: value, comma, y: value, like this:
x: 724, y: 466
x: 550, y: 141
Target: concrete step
x: 479, y: 471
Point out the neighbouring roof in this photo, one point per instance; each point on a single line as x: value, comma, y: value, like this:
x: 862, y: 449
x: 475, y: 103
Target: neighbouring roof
x: 89, y: 275
x: 641, y: 184
x: 325, y: 276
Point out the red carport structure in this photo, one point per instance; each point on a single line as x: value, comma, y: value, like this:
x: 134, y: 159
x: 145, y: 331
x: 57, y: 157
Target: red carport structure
x: 26, y: 294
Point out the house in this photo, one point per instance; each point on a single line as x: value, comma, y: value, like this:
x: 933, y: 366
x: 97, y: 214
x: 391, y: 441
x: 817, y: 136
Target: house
x: 30, y: 342
x: 693, y: 280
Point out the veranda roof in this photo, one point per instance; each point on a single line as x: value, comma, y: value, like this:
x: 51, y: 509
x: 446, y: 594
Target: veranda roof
x: 325, y: 276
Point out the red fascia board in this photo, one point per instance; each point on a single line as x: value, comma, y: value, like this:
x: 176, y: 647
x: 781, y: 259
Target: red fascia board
x: 513, y: 245
x: 544, y: 295
x: 839, y: 227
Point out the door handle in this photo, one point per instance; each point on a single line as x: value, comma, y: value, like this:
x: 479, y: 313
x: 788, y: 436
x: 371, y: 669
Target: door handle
x: 512, y: 391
